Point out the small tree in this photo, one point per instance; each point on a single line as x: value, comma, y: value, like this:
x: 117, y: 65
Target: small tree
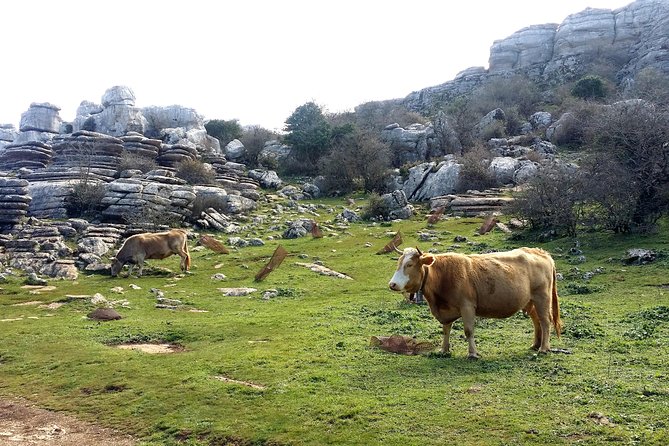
x: 636, y: 134
x: 254, y: 139
x: 550, y: 200
x: 224, y: 131
x: 589, y: 87
x: 85, y: 200
x: 358, y: 160
x: 308, y: 134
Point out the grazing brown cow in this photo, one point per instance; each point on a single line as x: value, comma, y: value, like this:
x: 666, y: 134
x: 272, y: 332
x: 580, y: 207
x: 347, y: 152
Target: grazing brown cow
x: 158, y: 245
x: 495, y: 285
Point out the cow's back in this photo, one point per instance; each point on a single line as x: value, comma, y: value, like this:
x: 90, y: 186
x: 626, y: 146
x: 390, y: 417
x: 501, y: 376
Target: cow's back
x: 498, y: 284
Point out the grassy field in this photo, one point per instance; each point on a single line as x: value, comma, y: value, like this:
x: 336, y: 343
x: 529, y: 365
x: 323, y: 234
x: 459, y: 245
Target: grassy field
x: 309, y: 348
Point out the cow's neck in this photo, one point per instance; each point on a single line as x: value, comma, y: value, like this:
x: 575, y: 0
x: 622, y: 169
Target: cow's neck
x: 424, y: 279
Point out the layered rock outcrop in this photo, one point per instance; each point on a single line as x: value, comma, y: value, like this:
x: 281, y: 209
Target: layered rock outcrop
x: 630, y: 38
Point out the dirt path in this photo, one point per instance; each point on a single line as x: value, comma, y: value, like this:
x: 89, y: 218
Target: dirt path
x: 23, y: 424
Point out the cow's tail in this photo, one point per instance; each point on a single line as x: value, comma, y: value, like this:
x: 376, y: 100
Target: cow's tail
x: 187, y: 254
x: 555, y: 306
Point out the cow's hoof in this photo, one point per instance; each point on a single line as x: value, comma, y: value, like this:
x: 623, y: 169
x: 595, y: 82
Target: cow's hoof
x: 474, y: 357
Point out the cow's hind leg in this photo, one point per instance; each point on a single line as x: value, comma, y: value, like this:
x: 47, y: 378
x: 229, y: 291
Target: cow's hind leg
x: 543, y: 311
x: 184, y: 260
x: 446, y: 345
x: 469, y: 320
x: 532, y: 312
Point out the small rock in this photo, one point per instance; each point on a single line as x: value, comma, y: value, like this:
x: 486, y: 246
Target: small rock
x: 99, y: 299
x: 32, y: 279
x: 219, y: 276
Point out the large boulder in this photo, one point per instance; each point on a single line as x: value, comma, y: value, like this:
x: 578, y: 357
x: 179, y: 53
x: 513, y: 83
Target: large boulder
x: 235, y: 150
x: 429, y: 180
x: 503, y: 168
x: 41, y: 117
x: 273, y: 154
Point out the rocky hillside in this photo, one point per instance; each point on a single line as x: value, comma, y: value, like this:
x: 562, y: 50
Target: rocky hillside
x: 630, y: 38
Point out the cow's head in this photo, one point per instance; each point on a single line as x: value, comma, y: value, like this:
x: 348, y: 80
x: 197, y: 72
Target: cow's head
x: 409, y: 273
x: 116, y: 267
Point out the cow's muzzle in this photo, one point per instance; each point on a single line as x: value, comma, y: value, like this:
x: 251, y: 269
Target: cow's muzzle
x: 393, y: 286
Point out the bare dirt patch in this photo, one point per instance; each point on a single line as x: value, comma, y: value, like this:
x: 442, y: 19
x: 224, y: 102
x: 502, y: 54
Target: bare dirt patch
x: 23, y: 424
x: 152, y: 348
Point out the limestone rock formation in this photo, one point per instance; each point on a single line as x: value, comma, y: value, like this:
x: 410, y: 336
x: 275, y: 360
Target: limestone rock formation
x: 633, y: 37
x: 8, y: 134
x: 14, y: 200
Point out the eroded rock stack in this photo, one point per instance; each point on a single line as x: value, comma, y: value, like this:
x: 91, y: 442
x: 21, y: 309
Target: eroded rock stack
x: 49, y: 196
x: 38, y: 248
x: 31, y: 155
x: 86, y: 155
x: 134, y: 199
x: 96, y: 242
x: 31, y: 148
x: 8, y: 134
x: 172, y: 154
x: 14, y: 200
x: 139, y: 145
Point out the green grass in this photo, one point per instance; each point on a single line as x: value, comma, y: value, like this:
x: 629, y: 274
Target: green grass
x: 310, y: 348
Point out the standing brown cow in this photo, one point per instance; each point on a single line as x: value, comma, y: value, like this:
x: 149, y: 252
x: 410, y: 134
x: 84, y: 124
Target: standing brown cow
x: 149, y: 245
x: 495, y: 285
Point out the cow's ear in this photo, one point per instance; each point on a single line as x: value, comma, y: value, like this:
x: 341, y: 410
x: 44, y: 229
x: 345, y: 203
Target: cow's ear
x: 427, y: 259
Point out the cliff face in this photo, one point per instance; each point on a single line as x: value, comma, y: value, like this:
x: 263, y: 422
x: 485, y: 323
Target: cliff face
x: 629, y: 39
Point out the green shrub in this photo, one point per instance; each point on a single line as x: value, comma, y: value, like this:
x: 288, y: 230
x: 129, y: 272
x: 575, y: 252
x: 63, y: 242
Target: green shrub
x: 224, y: 131
x: 358, y: 160
x: 376, y: 207
x: 589, y: 87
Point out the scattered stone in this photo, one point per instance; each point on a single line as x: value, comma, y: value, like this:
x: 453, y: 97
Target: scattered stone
x: 243, y: 291
x: 32, y: 279
x: 322, y: 270
x: 640, y: 256
x: 270, y: 294
x: 219, y: 276
x: 99, y: 299
x: 243, y: 383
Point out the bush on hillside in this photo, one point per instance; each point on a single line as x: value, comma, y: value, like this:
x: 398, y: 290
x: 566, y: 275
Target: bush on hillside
x: 551, y: 200
x: 195, y: 172
x: 254, y: 139
x: 474, y: 173
x: 358, y: 161
x: 85, y: 200
x: 224, y: 131
x: 131, y: 161
x: 589, y: 88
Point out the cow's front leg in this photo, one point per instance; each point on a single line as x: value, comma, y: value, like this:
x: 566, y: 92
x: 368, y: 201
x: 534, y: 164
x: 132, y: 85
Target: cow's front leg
x: 469, y: 320
x: 446, y: 345
x: 141, y: 268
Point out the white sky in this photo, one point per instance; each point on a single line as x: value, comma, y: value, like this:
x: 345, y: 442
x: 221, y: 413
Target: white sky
x: 251, y: 60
